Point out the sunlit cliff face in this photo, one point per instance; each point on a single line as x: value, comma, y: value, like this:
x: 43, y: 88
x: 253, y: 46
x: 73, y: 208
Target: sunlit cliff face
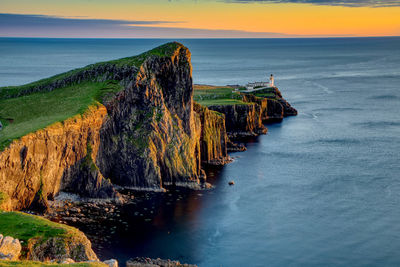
x: 159, y: 18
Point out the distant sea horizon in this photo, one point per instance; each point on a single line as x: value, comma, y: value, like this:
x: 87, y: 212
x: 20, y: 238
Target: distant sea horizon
x: 320, y: 189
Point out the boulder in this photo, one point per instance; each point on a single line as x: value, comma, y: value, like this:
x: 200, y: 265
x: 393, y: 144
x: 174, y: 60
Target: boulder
x: 68, y: 261
x: 111, y: 263
x: 10, y: 248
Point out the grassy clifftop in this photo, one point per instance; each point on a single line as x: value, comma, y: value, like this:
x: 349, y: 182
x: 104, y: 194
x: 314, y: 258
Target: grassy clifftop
x: 25, y: 227
x: 30, y: 107
x: 42, y: 239
x: 208, y: 95
x: 165, y: 50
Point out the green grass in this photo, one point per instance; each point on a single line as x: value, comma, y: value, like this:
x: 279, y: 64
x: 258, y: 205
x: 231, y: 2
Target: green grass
x: 23, y: 112
x: 38, y: 110
x: 24, y: 227
x: 221, y: 102
x: 217, y: 96
x: 41, y: 264
x: 165, y: 50
x: 265, y: 95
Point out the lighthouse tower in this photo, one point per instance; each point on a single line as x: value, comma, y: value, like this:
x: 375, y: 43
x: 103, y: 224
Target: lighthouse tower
x: 271, y: 81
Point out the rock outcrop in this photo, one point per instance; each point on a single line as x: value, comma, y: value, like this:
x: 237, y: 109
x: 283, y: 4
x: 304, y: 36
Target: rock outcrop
x: 274, y: 108
x: 151, y: 134
x: 39, y: 163
x: 147, y: 262
x: 73, y: 246
x: 242, y: 120
x: 214, y: 139
x: 10, y: 248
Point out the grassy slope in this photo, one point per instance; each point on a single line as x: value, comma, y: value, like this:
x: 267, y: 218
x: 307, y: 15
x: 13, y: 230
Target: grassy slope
x: 214, y: 95
x: 38, y: 110
x: 34, y: 111
x: 24, y: 227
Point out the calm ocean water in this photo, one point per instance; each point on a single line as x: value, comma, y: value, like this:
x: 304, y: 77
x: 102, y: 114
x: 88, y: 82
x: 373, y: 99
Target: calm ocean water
x: 320, y: 189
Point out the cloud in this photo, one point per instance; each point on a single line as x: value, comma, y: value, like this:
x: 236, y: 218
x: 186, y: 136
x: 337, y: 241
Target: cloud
x: 348, y: 3
x: 22, y: 20
x: 20, y: 25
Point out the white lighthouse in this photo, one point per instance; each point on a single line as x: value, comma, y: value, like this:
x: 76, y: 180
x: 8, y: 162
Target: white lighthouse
x: 271, y: 81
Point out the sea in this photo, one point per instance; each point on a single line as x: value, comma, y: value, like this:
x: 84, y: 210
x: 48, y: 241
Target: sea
x: 320, y: 189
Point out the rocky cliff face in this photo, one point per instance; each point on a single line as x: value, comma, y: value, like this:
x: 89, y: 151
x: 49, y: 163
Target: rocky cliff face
x: 151, y: 138
x: 242, y: 120
x: 214, y: 139
x: 150, y: 135
x: 274, y: 109
x: 147, y: 136
x: 39, y: 163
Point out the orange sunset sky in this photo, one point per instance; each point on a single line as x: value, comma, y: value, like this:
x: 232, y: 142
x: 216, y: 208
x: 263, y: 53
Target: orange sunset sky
x: 201, y: 18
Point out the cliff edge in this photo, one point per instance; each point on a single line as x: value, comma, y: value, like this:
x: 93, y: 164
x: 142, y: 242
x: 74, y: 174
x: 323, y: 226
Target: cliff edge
x: 138, y: 130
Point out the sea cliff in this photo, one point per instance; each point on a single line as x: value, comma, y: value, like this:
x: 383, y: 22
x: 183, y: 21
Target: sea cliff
x: 143, y: 130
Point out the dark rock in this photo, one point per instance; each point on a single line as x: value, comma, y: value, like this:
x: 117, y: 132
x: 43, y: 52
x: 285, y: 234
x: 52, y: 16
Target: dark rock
x: 147, y: 262
x: 242, y: 120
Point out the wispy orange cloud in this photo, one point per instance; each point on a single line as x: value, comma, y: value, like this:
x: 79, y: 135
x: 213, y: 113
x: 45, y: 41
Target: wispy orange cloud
x: 238, y: 18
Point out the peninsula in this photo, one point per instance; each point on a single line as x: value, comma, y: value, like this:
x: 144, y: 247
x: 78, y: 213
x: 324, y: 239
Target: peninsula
x: 133, y: 123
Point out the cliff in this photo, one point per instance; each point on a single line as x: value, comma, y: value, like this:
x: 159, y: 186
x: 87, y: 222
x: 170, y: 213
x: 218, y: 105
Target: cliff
x: 274, y: 106
x: 130, y: 122
x: 142, y: 133
x: 40, y: 163
x: 151, y: 134
x: 214, y: 139
x: 242, y: 120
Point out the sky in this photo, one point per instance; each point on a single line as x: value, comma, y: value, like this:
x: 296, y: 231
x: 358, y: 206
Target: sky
x: 199, y: 18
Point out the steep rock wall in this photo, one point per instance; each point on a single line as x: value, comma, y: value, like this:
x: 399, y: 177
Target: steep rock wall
x: 242, y: 120
x: 38, y: 163
x: 214, y: 139
x: 151, y: 138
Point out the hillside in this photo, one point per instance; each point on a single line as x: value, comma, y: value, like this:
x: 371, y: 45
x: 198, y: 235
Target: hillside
x: 33, y: 106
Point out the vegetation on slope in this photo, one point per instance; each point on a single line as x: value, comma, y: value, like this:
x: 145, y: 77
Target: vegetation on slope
x: 165, y: 50
x: 214, y: 95
x: 25, y: 227
x: 35, y: 111
x: 27, y: 108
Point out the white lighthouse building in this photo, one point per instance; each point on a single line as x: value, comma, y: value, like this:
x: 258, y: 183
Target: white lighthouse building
x: 261, y: 85
x: 271, y: 81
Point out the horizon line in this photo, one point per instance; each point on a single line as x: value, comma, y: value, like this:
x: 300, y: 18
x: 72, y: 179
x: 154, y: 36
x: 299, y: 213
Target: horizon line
x: 173, y: 38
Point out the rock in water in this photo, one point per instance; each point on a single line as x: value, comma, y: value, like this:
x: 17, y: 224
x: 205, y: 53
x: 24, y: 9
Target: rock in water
x: 10, y: 248
x: 231, y: 183
x: 111, y: 263
x: 147, y: 262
